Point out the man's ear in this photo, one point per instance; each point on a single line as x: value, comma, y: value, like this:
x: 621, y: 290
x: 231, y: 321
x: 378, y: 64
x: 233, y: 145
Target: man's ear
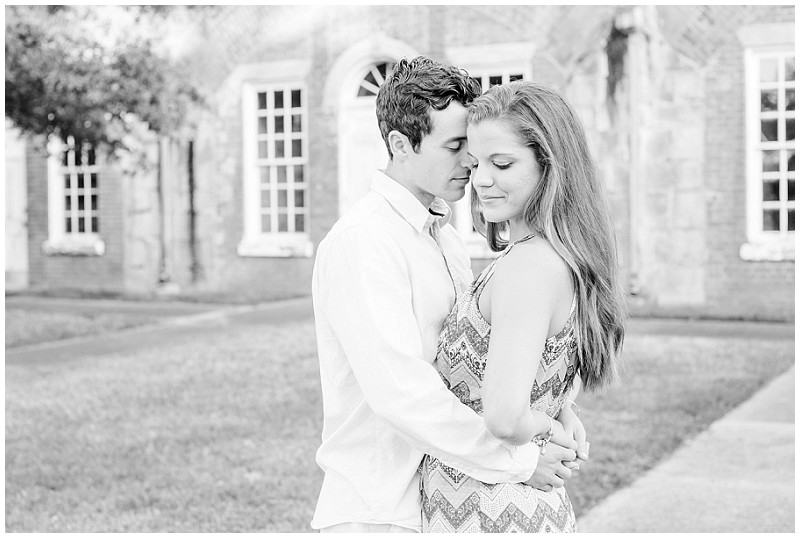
x: 399, y: 145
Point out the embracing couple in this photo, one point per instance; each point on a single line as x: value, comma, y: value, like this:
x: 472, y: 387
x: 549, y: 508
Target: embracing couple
x: 449, y: 401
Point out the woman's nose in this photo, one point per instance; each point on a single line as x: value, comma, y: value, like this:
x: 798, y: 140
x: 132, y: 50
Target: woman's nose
x: 480, y: 177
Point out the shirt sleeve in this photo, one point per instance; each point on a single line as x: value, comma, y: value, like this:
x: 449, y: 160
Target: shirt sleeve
x: 365, y: 293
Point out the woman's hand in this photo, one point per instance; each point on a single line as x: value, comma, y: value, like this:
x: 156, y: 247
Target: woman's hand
x: 574, y: 430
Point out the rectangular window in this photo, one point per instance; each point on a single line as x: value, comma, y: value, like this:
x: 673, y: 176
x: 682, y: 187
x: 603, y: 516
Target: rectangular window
x: 281, y: 160
x: 79, y: 170
x: 771, y: 153
x: 276, y: 209
x: 74, y: 198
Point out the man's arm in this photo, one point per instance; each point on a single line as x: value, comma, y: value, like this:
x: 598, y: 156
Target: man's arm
x: 365, y: 292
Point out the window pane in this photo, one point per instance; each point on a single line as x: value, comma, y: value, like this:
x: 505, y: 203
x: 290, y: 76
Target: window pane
x: 771, y: 220
x: 769, y: 70
x: 771, y: 191
x: 278, y: 124
x: 68, y: 203
x: 265, y: 199
x: 262, y: 150
x: 64, y: 158
x: 278, y: 149
x: 80, y: 181
x: 791, y: 220
x: 790, y: 166
x: 296, y: 98
x: 283, y: 222
x: 94, y: 181
x: 789, y: 99
x: 66, y: 181
x: 81, y: 203
x: 298, y: 174
x: 91, y: 156
x: 94, y: 202
x: 281, y: 175
x: 769, y: 100
x: 299, y: 223
x: 262, y: 125
x: 69, y: 225
x: 769, y: 130
x: 770, y: 161
x: 299, y: 198
x: 95, y: 228
x: 281, y: 198
x: 77, y: 157
x: 512, y: 78
x: 493, y: 81
x: 790, y: 68
x: 262, y: 101
x: 297, y: 148
x: 264, y: 175
x: 279, y: 99
x: 297, y: 125
x: 81, y: 225
x: 790, y: 129
x: 266, y: 223
x: 790, y: 190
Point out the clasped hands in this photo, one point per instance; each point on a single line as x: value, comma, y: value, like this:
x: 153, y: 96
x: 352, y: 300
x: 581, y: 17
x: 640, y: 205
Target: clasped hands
x: 565, y: 453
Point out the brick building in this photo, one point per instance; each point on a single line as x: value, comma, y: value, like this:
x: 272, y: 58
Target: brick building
x: 689, y: 111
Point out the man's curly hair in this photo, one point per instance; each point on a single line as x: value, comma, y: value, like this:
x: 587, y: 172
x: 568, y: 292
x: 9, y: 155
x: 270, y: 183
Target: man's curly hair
x: 415, y: 87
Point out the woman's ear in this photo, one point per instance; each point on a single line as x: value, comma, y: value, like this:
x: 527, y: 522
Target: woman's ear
x: 399, y: 145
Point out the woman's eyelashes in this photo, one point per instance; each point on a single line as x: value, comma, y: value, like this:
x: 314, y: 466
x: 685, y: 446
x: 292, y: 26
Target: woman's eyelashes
x: 502, y: 166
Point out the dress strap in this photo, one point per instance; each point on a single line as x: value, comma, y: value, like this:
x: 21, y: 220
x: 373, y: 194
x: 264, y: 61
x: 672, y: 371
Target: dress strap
x: 486, y: 274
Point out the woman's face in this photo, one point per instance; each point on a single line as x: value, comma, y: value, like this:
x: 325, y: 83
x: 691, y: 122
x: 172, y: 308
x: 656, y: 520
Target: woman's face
x: 505, y: 173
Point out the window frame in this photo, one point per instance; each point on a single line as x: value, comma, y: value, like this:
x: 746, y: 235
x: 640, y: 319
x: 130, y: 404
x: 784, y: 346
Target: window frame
x: 59, y: 241
x: 505, y: 60
x: 766, y: 41
x: 255, y: 242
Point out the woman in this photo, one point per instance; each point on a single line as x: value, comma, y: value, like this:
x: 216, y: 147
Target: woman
x: 550, y: 302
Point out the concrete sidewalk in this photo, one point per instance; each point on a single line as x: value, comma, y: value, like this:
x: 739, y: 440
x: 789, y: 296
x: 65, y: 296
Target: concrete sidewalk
x: 737, y: 476
x: 179, y: 322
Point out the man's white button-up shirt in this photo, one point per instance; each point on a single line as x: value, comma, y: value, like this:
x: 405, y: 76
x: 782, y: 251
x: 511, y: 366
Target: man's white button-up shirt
x: 381, y: 291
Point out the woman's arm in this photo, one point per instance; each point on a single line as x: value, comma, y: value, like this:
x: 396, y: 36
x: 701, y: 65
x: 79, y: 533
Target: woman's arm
x: 529, y: 291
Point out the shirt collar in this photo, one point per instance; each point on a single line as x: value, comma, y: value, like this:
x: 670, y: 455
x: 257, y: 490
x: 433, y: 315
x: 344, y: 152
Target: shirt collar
x: 407, y: 205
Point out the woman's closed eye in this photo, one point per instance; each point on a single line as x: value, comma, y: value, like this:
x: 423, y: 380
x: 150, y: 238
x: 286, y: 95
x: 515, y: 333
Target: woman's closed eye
x: 502, y: 165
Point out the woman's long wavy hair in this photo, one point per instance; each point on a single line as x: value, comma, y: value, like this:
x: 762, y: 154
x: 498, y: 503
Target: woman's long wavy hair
x: 569, y: 208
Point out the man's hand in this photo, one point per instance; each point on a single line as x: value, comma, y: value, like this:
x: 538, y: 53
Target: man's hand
x: 552, y: 470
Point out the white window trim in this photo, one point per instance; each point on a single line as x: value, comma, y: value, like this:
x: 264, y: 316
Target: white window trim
x: 759, y: 40
x: 254, y: 243
x: 481, y: 60
x: 59, y: 242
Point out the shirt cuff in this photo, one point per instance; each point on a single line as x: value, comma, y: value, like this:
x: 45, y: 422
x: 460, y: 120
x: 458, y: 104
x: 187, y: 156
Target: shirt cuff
x: 524, y: 459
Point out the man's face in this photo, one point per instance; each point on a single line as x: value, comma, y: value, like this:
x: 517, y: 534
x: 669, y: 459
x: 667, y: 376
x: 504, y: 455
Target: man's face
x: 441, y: 165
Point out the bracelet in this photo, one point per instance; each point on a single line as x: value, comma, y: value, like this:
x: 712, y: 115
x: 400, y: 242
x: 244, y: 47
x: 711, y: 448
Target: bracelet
x: 574, y: 407
x: 540, y: 441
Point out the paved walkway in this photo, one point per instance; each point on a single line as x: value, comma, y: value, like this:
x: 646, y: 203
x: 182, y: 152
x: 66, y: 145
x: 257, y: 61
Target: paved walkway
x: 737, y: 476
x: 181, y: 321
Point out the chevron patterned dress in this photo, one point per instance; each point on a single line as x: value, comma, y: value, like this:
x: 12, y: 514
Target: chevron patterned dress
x: 455, y: 502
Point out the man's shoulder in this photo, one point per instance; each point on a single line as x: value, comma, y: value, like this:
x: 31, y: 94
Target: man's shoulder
x: 367, y: 218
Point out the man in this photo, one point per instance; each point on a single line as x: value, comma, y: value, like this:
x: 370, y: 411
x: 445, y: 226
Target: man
x: 385, y: 277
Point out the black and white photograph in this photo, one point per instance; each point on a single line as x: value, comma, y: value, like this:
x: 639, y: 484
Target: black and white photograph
x: 388, y: 268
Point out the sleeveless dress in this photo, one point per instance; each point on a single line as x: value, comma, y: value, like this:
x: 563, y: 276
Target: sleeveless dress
x: 455, y: 502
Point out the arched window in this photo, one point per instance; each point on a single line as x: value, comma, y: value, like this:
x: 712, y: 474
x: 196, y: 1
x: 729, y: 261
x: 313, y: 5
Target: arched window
x: 376, y: 75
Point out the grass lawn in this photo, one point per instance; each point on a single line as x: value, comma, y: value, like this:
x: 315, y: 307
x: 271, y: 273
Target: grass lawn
x: 218, y: 434
x: 32, y: 325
